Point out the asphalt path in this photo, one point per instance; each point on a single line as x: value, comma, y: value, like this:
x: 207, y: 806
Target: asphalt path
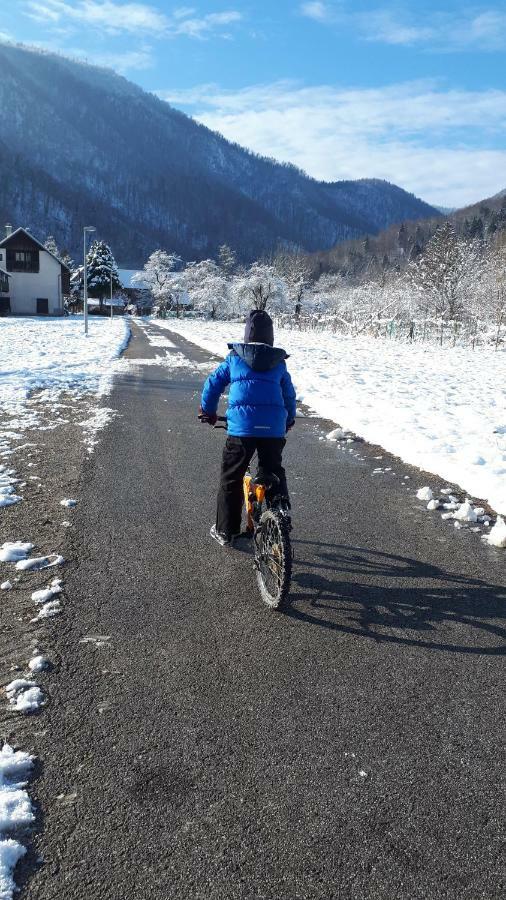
x: 199, y: 745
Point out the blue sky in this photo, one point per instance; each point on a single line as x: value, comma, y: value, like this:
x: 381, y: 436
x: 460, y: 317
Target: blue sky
x: 414, y: 93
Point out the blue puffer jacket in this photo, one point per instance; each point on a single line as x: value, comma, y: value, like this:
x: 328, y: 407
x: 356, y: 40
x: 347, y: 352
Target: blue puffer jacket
x: 261, y: 400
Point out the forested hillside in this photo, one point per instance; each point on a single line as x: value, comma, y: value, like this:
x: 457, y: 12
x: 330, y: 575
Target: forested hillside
x: 80, y: 145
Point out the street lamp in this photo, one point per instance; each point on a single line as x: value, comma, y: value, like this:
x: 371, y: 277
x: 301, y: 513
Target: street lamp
x: 88, y: 229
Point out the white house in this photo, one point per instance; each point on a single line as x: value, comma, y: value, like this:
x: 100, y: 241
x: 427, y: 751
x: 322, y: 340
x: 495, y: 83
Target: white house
x: 4, y: 293
x: 37, y: 279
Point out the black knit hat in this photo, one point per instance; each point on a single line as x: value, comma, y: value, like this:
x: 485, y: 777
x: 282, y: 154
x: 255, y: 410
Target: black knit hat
x: 259, y: 328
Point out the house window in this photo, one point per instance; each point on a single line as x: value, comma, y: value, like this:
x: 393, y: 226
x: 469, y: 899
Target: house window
x: 22, y: 260
x: 4, y: 284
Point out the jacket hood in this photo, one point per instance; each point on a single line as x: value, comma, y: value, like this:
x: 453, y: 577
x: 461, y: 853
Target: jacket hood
x: 259, y: 357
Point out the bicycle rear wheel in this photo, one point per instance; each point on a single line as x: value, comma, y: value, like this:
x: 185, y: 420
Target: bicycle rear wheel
x: 273, y: 558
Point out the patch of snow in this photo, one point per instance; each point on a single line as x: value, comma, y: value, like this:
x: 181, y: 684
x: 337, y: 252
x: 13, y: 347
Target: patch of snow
x: 432, y: 505
x: 40, y: 562
x: 38, y: 663
x: 15, y: 812
x: 497, y: 535
x: 6, y: 586
x: 425, y: 494
x: 336, y: 435
x: 48, y: 610
x: 68, y: 503
x: 45, y: 594
x: 466, y: 512
x: 13, y: 551
x: 24, y: 696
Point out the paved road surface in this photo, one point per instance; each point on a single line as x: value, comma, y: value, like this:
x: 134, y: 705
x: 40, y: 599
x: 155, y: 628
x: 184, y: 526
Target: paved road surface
x: 208, y: 748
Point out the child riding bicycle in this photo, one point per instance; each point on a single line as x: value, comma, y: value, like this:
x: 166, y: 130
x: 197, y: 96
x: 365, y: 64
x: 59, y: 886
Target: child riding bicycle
x: 261, y: 409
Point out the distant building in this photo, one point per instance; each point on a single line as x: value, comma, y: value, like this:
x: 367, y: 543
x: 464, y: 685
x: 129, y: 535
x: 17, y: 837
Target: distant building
x: 5, y: 302
x: 37, y: 279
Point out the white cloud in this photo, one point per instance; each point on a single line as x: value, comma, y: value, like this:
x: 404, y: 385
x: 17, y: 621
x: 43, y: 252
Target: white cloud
x: 136, y: 18
x: 199, y: 27
x: 128, y: 61
x: 414, y: 134
x: 321, y: 12
x: 398, y: 26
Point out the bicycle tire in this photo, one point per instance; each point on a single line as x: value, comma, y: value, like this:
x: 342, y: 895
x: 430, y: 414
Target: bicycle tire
x: 273, y: 559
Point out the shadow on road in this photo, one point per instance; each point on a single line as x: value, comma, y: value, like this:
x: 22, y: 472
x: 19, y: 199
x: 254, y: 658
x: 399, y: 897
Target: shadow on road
x: 344, y: 595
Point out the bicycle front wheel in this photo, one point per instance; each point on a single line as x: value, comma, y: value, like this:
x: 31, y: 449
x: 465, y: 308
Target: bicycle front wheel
x: 273, y: 558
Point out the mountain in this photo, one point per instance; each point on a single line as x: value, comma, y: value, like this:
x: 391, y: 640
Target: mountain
x: 81, y: 145
x: 392, y: 248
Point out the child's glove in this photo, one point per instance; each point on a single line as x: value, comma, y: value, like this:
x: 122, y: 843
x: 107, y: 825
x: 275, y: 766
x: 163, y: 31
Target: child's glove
x: 207, y: 418
x: 290, y: 424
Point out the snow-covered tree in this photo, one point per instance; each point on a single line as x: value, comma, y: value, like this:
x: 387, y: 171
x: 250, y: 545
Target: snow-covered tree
x: 67, y: 260
x: 51, y: 245
x: 443, y: 275
x: 101, y: 265
x: 260, y: 287
x: 207, y: 287
x: 161, y: 275
x: 227, y: 260
x: 295, y: 269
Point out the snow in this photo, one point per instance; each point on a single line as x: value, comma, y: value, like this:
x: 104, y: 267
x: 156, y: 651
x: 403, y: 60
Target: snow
x: 51, y: 356
x: 15, y: 812
x: 68, y: 503
x: 48, y: 610
x: 40, y: 562
x: 336, y: 435
x: 6, y: 586
x: 24, y: 696
x: 38, y: 663
x: 440, y: 410
x: 425, y: 494
x: 48, y: 593
x: 465, y: 512
x: 497, y: 535
x: 13, y: 551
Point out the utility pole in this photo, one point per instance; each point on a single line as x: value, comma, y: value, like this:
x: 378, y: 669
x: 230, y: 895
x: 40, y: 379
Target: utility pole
x: 88, y: 229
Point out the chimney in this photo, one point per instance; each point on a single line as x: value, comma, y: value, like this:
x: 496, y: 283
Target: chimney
x: 8, y: 230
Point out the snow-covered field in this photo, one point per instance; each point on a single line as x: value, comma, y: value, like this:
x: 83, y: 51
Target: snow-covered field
x: 54, y: 355
x: 51, y: 357
x: 443, y: 411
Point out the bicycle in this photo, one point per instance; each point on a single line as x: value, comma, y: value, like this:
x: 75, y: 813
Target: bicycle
x: 268, y: 525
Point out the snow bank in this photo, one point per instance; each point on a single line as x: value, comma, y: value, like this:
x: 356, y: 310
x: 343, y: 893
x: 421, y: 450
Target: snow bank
x: 51, y: 356
x: 54, y: 354
x: 15, y: 812
x: 443, y: 411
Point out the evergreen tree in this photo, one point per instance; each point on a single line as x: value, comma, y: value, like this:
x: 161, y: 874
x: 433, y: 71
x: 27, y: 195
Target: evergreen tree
x: 50, y: 244
x: 227, y: 260
x: 101, y: 264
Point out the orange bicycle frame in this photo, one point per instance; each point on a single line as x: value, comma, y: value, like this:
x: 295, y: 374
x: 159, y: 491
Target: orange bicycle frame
x: 252, y: 494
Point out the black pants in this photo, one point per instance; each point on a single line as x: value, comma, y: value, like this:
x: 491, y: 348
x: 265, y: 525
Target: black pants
x: 236, y: 458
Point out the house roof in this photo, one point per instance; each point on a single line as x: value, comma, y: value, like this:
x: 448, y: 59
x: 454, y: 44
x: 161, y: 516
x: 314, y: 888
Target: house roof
x: 126, y: 275
x: 9, y: 237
